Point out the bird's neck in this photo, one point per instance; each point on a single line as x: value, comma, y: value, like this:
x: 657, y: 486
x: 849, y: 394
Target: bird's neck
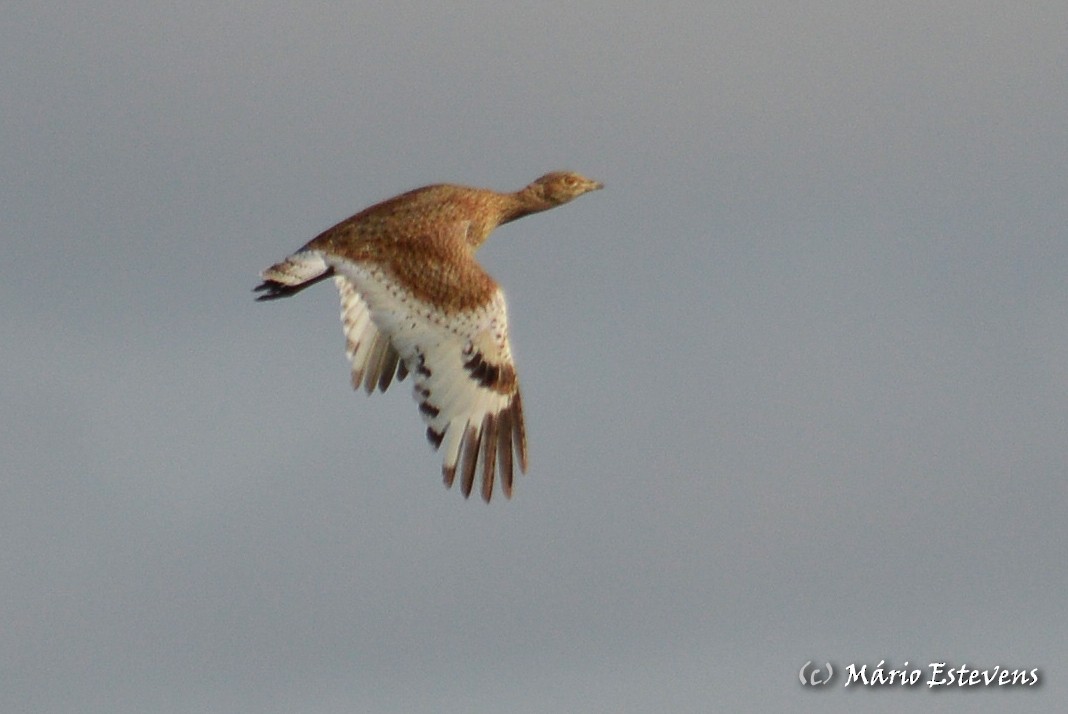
x: 523, y: 203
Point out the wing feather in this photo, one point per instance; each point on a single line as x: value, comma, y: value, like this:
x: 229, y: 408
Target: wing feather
x: 504, y: 450
x: 471, y: 444
x: 489, y: 454
x: 374, y: 361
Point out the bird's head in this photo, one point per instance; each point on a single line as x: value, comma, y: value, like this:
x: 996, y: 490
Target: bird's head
x: 560, y: 187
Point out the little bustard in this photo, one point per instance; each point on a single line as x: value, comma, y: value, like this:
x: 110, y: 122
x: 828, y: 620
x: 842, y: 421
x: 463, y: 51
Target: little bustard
x: 415, y: 301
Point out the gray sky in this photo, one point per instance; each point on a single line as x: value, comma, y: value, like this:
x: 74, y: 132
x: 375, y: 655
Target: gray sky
x: 796, y: 382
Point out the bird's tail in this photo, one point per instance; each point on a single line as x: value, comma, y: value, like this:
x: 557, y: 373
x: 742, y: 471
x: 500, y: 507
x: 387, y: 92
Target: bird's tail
x: 298, y: 271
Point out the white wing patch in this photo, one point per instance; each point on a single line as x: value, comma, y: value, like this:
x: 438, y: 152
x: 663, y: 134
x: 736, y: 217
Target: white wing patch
x: 465, y: 380
x: 374, y: 361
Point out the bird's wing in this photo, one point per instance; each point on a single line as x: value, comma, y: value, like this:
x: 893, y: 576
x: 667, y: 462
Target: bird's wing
x: 461, y: 361
x: 374, y: 360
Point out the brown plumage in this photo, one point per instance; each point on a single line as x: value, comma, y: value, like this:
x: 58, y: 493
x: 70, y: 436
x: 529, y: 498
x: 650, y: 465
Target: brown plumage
x: 415, y: 301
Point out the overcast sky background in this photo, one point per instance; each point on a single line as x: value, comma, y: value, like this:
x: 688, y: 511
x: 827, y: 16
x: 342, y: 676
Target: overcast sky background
x: 796, y: 381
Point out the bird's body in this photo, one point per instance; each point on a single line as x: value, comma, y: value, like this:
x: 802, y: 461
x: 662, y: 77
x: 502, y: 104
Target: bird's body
x: 415, y: 300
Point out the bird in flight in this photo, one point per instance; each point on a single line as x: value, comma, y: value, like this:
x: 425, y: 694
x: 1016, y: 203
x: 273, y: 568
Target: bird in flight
x: 415, y: 301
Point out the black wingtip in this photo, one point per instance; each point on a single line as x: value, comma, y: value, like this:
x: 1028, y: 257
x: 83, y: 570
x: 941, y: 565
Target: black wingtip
x: 274, y: 290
